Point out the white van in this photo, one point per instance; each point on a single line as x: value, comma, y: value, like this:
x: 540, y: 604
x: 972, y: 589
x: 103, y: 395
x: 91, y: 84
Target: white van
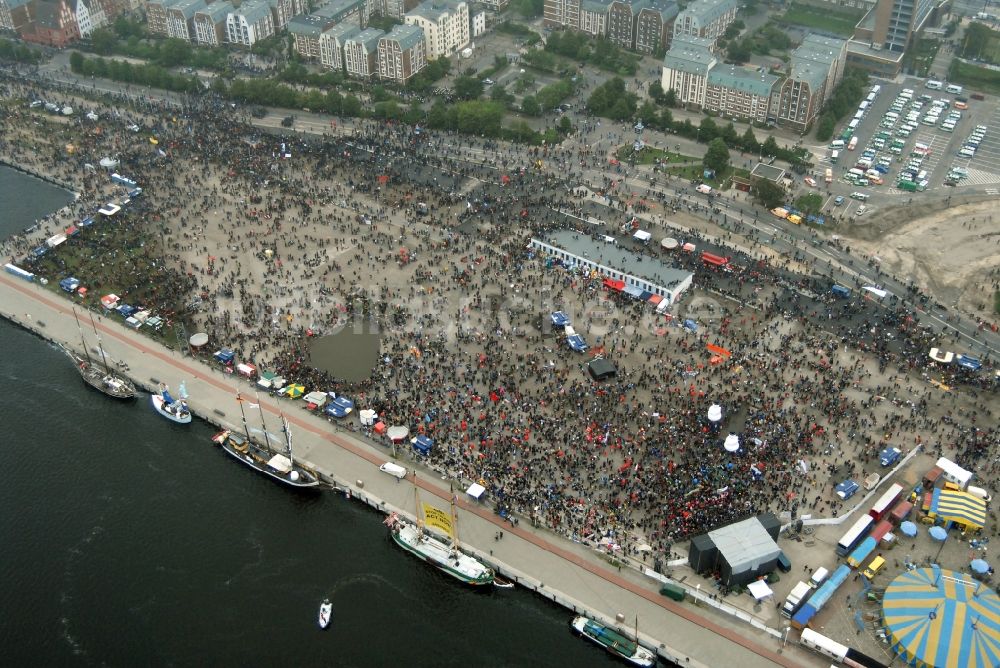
x: 933, y: 84
x: 393, y: 470
x: 854, y: 124
x: 819, y: 576
x: 859, y: 114
x: 980, y: 492
x: 837, y: 143
x: 953, y: 89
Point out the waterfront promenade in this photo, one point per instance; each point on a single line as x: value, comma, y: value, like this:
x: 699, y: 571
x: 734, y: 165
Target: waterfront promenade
x: 566, y: 572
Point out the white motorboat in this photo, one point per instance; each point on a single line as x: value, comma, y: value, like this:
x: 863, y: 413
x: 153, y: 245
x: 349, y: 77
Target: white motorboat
x: 325, y: 613
x: 175, y: 410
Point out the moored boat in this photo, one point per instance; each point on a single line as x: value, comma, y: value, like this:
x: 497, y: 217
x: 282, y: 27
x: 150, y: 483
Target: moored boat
x: 325, y: 613
x: 614, y: 642
x: 501, y: 582
x: 105, y: 381
x: 444, y: 555
x: 175, y: 410
x: 280, y: 467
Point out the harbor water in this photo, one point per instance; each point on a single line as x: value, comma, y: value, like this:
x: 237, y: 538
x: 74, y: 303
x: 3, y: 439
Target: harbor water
x: 131, y: 540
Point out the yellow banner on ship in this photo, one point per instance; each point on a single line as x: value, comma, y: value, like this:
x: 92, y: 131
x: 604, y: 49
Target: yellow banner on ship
x: 437, y: 518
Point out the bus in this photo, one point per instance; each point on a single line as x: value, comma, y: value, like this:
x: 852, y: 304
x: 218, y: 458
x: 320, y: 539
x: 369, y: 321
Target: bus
x: 828, y: 177
x: 886, y: 502
x: 853, y: 144
x: 855, y: 535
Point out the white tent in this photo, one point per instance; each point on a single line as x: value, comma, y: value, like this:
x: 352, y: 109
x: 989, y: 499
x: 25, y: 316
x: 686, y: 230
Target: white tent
x: 732, y: 443
x: 367, y: 417
x: 944, y: 358
x: 715, y: 412
x: 476, y: 491
x: 642, y: 235
x: 759, y: 590
x: 878, y: 292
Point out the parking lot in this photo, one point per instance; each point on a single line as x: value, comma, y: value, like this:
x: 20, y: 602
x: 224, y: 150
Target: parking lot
x: 887, y: 137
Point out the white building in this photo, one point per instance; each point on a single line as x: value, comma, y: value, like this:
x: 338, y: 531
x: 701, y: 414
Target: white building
x: 252, y: 22
x: 686, y: 67
x: 331, y: 44
x: 706, y: 18
x: 89, y: 16
x: 445, y: 24
x: 361, y: 53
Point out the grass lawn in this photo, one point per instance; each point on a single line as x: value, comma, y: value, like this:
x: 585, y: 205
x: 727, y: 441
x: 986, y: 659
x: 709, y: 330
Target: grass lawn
x: 649, y: 156
x: 978, y: 78
x: 722, y: 180
x: 840, y: 22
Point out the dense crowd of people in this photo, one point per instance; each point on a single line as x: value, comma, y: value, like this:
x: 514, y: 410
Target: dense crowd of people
x: 423, y: 238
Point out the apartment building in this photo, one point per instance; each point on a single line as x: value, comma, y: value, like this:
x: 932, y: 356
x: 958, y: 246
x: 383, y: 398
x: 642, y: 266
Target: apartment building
x: 740, y: 92
x: 306, y: 30
x: 706, y: 18
x: 89, y: 16
x: 654, y: 26
x: 401, y: 53
x: 180, y: 18
x: 331, y: 44
x: 156, y: 15
x: 50, y: 23
x: 361, y: 53
x: 686, y: 67
x: 561, y: 14
x: 210, y: 23
x: 816, y: 67
x: 283, y: 11
x: 249, y: 24
x: 445, y: 24
x: 594, y: 17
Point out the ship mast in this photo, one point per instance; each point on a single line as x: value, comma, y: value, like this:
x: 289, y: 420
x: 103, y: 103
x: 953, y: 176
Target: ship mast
x: 82, y: 340
x: 263, y: 426
x: 454, y: 525
x: 288, y: 438
x: 246, y: 429
x: 100, y: 346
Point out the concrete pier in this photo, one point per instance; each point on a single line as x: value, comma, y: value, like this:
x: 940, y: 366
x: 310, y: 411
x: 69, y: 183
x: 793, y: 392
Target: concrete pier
x: 568, y: 573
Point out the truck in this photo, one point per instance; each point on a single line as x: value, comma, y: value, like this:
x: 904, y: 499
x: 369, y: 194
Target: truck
x: 800, y: 594
x: 703, y: 188
x: 674, y: 591
x: 871, y: 480
x: 841, y: 291
x: 853, y: 144
x: 890, y: 456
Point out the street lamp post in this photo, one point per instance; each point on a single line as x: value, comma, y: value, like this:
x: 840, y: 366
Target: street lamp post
x: 784, y: 638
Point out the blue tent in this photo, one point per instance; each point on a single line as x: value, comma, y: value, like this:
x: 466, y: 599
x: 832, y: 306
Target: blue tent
x: 225, y: 355
x: 691, y: 324
x: 125, y: 310
x: 422, y: 444
x: 576, y: 343
x: 39, y: 251
x: 339, y: 407
x: 69, y: 284
x: 559, y: 319
x: 87, y: 222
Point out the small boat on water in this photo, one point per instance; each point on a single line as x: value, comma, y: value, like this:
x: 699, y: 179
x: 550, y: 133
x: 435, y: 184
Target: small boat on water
x: 325, y: 613
x: 175, y: 410
x: 501, y: 582
x: 614, y: 642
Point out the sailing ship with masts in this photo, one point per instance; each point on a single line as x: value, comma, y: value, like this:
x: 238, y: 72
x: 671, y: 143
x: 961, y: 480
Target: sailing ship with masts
x: 443, y: 554
x: 103, y: 380
x: 279, y: 466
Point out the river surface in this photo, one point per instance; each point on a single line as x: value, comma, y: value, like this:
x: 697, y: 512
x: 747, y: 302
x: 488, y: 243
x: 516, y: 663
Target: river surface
x: 128, y: 540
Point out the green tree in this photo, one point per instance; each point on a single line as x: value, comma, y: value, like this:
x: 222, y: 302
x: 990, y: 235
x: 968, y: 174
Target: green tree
x: 530, y: 106
x: 825, y: 127
x: 707, y: 130
x: 749, y: 141
x: 76, y: 62
x: 499, y: 94
x: 174, y: 52
x: 670, y: 98
x: 468, y: 88
x: 656, y: 92
x: 103, y: 41
x: 565, y: 126
x: 738, y: 51
x: 717, y: 156
x: 768, y: 193
x: 770, y: 147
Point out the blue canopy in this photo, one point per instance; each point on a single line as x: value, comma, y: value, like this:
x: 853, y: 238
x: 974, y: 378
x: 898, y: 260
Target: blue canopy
x: 577, y: 343
x: 908, y: 528
x: 339, y: 407
x: 125, y: 310
x: 559, y: 319
x: 979, y: 566
x: 87, y: 222
x: 225, y: 355
x: 691, y: 324
x: 938, y: 533
x: 39, y: 251
x: 422, y: 444
x: 69, y: 284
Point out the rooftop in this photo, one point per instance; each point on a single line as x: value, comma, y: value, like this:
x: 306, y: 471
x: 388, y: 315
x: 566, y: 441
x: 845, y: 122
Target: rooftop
x: 187, y: 7
x: 435, y: 10
x: 743, y: 79
x: 369, y: 38
x: 707, y: 11
x: 408, y: 36
x: 253, y: 10
x: 308, y: 25
x: 342, y: 31
x: 617, y: 257
x: 690, y: 54
x: 744, y: 543
x: 338, y: 9
x: 217, y: 11
x: 768, y: 172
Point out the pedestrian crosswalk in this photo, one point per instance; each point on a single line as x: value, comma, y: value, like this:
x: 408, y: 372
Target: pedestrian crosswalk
x: 993, y: 191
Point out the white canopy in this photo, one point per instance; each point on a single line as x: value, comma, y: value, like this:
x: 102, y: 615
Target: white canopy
x: 945, y: 357
x: 55, y: 240
x: 732, y: 443
x: 715, y: 412
x: 642, y: 235
x: 317, y: 397
x: 669, y: 243
x: 367, y: 417
x: 759, y: 590
x: 475, y: 490
x: 109, y: 163
x: 280, y: 463
x: 397, y: 433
